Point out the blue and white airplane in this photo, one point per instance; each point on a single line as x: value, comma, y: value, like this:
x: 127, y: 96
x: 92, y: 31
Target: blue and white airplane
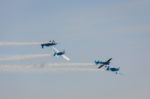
x: 50, y: 43
x: 103, y: 63
x: 113, y: 69
x: 58, y: 53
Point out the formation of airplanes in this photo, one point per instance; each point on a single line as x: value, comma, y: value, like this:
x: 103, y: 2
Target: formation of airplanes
x: 57, y: 53
x: 107, y: 66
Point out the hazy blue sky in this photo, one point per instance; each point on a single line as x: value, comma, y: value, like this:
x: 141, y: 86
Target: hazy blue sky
x: 87, y: 30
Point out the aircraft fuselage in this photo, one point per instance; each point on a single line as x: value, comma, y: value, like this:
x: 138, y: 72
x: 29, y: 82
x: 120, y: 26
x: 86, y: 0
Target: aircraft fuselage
x: 59, y: 53
x: 47, y: 44
x: 104, y: 63
x: 113, y: 69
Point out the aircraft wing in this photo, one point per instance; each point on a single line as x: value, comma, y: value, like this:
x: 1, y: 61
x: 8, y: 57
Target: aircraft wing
x: 55, y: 49
x: 109, y: 60
x: 100, y: 66
x: 65, y: 57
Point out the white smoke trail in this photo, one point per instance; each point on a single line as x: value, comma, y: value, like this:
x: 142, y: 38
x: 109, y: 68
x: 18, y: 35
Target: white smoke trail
x: 18, y: 43
x: 23, y: 57
x: 49, y: 67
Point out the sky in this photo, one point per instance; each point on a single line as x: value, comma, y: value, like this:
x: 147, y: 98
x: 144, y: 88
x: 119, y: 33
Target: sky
x: 87, y: 30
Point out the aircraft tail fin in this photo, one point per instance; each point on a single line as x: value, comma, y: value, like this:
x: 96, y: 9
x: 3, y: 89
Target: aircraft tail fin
x: 54, y: 54
x: 42, y: 45
x: 107, y: 68
x: 96, y: 62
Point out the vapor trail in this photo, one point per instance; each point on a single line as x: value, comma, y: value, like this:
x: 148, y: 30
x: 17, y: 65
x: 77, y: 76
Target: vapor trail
x: 18, y: 43
x: 23, y: 57
x: 49, y: 67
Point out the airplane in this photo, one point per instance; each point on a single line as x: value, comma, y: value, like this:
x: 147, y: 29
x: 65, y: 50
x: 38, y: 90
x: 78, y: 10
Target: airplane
x: 60, y: 53
x: 50, y: 43
x: 113, y: 69
x: 105, y: 63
